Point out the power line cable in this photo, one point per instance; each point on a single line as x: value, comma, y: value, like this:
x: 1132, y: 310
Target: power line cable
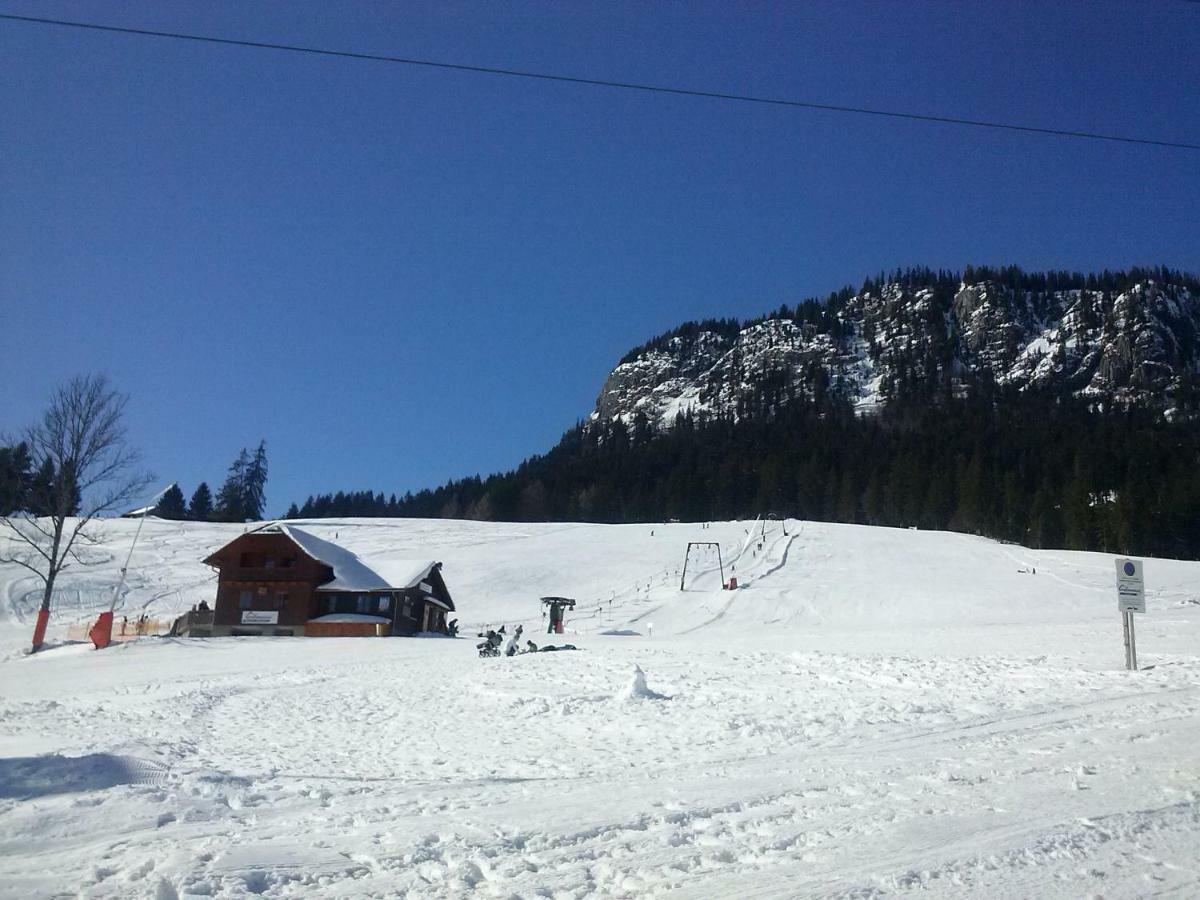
x: 597, y: 82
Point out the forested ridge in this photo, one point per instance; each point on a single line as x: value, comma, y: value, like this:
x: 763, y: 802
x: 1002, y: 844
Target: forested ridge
x: 1034, y: 470
x: 947, y: 449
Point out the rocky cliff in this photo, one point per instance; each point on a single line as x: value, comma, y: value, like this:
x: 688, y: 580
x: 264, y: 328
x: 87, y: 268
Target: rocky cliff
x: 1116, y: 344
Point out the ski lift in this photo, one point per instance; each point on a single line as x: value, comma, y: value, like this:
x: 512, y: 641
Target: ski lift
x: 774, y: 517
x: 557, y: 606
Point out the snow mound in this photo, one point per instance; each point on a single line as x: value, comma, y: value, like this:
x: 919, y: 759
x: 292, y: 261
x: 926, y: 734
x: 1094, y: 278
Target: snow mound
x: 638, y: 690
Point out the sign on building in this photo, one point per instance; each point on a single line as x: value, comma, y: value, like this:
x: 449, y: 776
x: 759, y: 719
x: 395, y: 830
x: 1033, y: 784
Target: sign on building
x: 260, y: 617
x: 1131, y: 589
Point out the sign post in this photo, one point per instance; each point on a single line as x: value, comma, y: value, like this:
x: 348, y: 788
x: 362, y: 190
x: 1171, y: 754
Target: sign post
x: 1131, y: 598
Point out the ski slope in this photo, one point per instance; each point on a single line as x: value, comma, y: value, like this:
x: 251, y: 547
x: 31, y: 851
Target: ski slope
x: 874, y: 712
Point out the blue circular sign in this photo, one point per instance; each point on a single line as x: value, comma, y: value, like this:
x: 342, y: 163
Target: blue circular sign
x: 1130, y: 568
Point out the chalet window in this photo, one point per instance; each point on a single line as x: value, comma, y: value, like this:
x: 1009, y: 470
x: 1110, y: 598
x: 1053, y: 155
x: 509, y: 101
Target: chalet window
x: 246, y: 599
x: 364, y: 603
x: 251, y: 561
x: 269, y: 562
x: 383, y: 604
x: 287, y: 562
x: 281, y: 599
x: 408, y: 609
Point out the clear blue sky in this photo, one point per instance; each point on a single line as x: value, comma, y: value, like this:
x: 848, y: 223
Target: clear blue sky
x: 397, y: 276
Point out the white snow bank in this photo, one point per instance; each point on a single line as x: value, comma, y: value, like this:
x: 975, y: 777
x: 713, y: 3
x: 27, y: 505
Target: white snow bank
x: 352, y: 617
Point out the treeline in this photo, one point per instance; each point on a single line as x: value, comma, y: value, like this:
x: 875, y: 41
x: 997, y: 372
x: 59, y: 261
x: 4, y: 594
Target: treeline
x: 1038, y: 470
x: 25, y: 489
x: 1018, y: 280
x: 241, y: 497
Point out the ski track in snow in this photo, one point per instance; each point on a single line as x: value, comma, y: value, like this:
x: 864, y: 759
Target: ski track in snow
x: 920, y: 717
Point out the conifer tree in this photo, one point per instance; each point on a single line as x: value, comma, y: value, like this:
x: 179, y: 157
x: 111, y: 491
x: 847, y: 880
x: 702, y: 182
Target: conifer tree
x: 171, y: 506
x: 242, y: 495
x: 200, y: 509
x: 255, y: 484
x: 14, y: 477
x: 1077, y: 514
x: 41, y: 485
x: 230, y: 504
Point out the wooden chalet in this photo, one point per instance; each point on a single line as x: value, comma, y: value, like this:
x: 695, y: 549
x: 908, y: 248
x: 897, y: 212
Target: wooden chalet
x: 282, y: 580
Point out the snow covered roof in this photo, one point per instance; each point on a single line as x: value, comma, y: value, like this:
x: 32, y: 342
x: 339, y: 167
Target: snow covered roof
x: 350, y: 573
x: 139, y: 512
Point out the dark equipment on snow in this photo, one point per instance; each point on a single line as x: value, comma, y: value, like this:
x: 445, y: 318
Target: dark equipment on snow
x: 558, y: 605
x: 491, y: 645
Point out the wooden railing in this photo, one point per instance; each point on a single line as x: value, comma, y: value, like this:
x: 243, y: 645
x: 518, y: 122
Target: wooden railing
x: 194, y: 620
x: 123, y: 629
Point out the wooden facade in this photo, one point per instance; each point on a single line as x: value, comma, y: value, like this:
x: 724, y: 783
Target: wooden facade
x: 269, y: 584
x: 267, y: 575
x: 411, y: 610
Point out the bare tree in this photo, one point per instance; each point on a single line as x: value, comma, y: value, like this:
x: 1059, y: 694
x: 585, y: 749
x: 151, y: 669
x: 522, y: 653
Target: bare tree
x: 80, y: 443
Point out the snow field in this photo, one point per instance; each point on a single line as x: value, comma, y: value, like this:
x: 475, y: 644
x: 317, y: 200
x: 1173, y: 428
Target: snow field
x: 917, y: 716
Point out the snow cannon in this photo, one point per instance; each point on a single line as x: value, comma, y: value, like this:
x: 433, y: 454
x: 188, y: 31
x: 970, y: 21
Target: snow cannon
x: 557, y: 605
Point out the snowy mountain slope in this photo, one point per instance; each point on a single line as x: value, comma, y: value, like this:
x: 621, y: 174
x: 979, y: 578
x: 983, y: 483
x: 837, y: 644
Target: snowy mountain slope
x: 495, y: 571
x: 1135, y: 346
x: 817, y: 574
x: 876, y: 712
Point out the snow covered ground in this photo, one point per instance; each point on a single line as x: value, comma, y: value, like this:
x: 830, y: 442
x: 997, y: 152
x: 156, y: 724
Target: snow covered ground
x: 875, y: 712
